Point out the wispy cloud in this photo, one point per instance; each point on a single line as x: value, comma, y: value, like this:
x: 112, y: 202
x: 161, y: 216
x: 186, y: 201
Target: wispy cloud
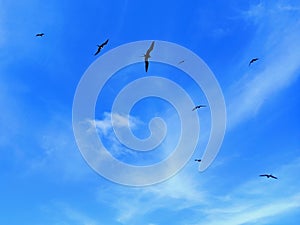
x: 106, y: 129
x: 277, y: 68
x: 178, y: 193
x: 79, y: 216
x: 253, y: 213
x: 254, y: 201
x: 250, y: 202
x: 63, y: 213
x: 104, y: 126
x: 57, y: 152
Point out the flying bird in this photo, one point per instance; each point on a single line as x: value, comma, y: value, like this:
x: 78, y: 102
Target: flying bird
x: 40, y: 34
x: 147, y: 56
x: 198, y: 107
x: 268, y: 176
x: 182, y: 61
x: 252, y: 61
x: 198, y: 160
x: 101, y: 46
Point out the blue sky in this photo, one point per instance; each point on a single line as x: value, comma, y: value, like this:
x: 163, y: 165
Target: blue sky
x: 45, y: 179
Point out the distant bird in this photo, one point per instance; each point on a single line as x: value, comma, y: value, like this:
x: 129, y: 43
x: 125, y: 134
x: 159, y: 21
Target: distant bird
x: 198, y: 160
x: 147, y: 56
x: 268, y: 176
x: 198, y: 107
x: 40, y: 34
x: 252, y: 61
x: 182, y: 61
x: 101, y: 46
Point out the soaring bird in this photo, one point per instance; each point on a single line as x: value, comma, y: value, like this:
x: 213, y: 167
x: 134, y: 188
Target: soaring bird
x: 198, y: 107
x: 268, y: 176
x: 40, y: 34
x: 147, y: 55
x: 198, y: 160
x: 101, y: 46
x: 252, y: 61
x: 182, y: 61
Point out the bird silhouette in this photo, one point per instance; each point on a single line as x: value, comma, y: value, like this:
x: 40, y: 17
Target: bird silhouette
x: 147, y: 56
x: 252, y: 61
x: 40, y: 34
x: 268, y: 176
x: 182, y: 61
x: 101, y: 46
x: 198, y: 160
x: 198, y: 107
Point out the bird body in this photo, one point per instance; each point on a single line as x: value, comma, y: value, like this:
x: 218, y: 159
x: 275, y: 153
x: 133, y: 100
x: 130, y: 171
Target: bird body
x: 198, y: 160
x: 101, y: 46
x: 268, y: 176
x: 198, y: 107
x: 252, y: 61
x: 147, y: 56
x: 40, y: 34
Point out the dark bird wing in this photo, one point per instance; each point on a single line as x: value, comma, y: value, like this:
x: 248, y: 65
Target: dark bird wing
x: 252, y: 61
x: 273, y: 177
x: 99, y: 49
x: 103, y: 44
x: 146, y: 65
x: 150, y: 48
x: 198, y: 107
x: 263, y: 175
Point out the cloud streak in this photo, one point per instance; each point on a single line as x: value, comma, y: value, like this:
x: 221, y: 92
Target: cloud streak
x: 104, y: 126
x: 277, y: 68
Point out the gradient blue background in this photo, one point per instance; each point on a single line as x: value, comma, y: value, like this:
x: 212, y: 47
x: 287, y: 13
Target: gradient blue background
x: 45, y: 180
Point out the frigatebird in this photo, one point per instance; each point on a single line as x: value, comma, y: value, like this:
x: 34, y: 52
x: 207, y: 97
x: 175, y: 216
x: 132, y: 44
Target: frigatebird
x: 198, y: 160
x: 147, y: 56
x: 198, y: 107
x: 101, y: 46
x: 40, y: 34
x: 268, y: 176
x: 252, y: 61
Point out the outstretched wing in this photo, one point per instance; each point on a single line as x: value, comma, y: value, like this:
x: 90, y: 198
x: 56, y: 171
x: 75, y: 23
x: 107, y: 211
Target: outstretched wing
x: 273, y: 177
x: 263, y: 175
x: 97, y: 51
x: 198, y: 107
x: 150, y: 48
x: 252, y: 61
x: 104, y: 43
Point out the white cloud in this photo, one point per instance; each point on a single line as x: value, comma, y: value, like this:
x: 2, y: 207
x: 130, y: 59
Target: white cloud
x: 104, y: 126
x: 251, y: 202
x: 277, y: 68
x: 179, y: 192
x: 253, y: 213
x: 105, y: 129
x: 257, y: 200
